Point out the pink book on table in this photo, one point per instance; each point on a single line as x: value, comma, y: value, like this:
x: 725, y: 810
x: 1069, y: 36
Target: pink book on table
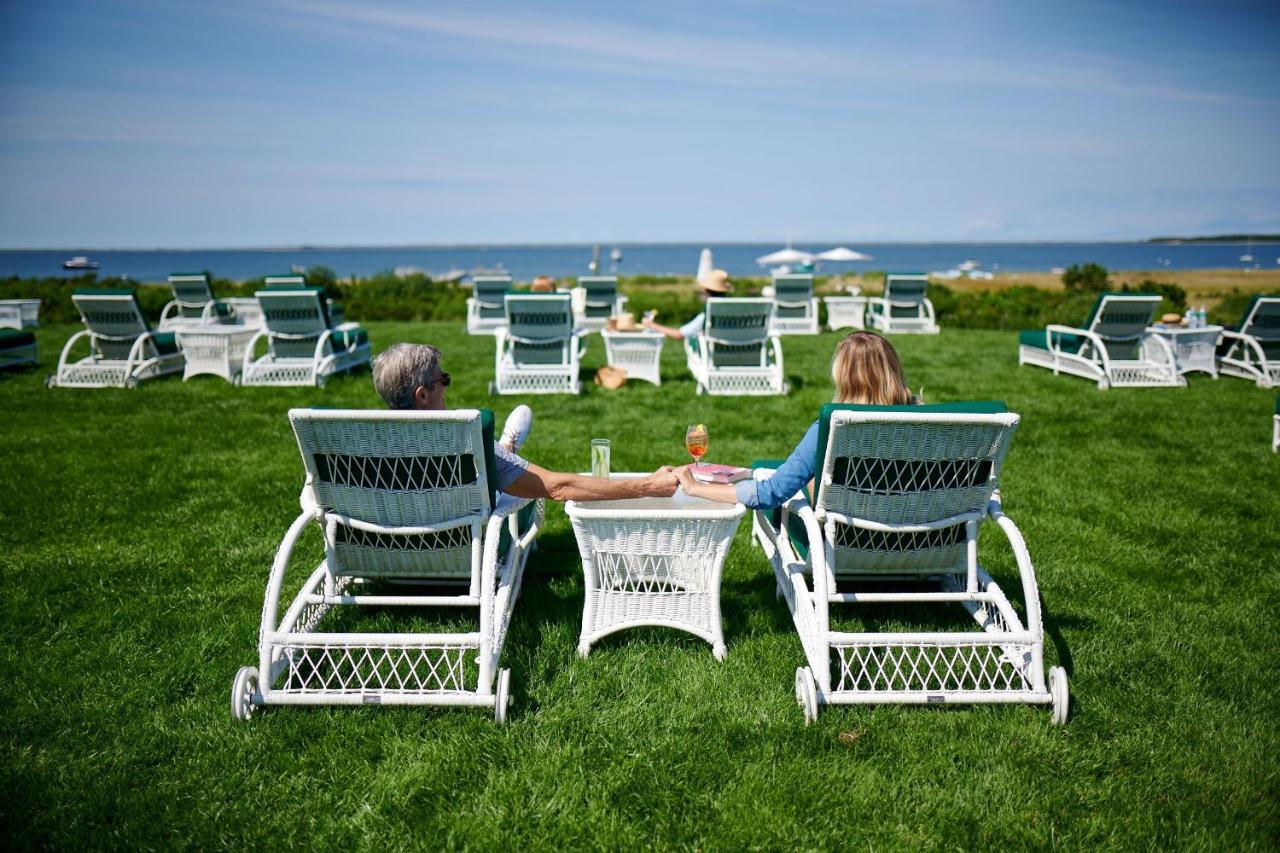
x: 712, y: 473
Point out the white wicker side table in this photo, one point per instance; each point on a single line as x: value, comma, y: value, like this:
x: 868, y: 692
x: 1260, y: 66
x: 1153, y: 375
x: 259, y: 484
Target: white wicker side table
x: 214, y: 349
x: 653, y: 561
x: 638, y: 353
x: 1193, y: 349
x: 846, y: 312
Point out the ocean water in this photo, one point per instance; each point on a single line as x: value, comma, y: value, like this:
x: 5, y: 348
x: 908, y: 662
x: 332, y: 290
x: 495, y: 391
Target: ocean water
x: 524, y: 262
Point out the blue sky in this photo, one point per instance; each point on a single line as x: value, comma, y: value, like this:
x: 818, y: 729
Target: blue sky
x: 282, y: 122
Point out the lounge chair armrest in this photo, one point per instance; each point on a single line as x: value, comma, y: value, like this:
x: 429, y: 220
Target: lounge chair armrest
x: 1249, y: 342
x: 271, y: 605
x: 169, y: 308
x: 347, y: 326
x: 1026, y: 571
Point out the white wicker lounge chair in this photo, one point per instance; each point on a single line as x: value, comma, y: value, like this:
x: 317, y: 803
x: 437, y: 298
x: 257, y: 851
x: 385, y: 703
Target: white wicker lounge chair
x: 304, y: 347
x: 1253, y: 350
x: 485, y: 314
x: 1114, y: 348
x: 736, y: 352
x: 537, y: 351
x: 17, y: 347
x: 399, y: 497
x: 795, y: 308
x: 193, y: 303
x: 600, y: 301
x: 903, y: 307
x: 19, y: 314
x: 902, y: 493
x: 123, y: 350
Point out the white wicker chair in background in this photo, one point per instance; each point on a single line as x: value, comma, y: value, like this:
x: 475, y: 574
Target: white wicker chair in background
x: 19, y: 314
x: 653, y: 561
x: 304, y: 347
x: 193, y: 303
x: 903, y: 307
x: 1253, y: 350
x: 736, y: 353
x: 902, y: 493
x: 600, y: 301
x: 123, y: 350
x: 485, y: 314
x: 1113, y: 348
x: 399, y: 497
x: 795, y: 308
x: 537, y: 351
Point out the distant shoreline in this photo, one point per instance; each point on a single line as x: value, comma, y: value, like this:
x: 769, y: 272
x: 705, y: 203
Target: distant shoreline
x: 1260, y: 240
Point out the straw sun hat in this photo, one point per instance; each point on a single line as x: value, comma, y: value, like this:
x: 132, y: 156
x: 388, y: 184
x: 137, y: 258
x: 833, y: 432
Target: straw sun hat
x: 716, y: 281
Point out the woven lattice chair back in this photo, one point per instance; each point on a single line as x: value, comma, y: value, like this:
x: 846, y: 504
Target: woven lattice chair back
x: 737, y: 331
x: 1121, y: 319
x: 389, y: 470
x: 540, y: 326
x: 792, y: 293
x: 192, y: 293
x: 489, y: 292
x: 114, y: 318
x: 906, y: 287
x: 601, y: 295
x: 1261, y: 320
x: 295, y: 320
x: 931, y: 468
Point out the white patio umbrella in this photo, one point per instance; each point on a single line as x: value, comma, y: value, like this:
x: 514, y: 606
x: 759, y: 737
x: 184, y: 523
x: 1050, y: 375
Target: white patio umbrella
x: 704, y: 264
x: 842, y: 253
x: 785, y: 256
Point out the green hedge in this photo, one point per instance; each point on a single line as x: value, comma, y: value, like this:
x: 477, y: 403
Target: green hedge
x: 384, y: 296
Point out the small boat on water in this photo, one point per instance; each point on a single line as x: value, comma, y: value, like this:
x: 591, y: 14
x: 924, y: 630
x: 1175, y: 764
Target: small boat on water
x: 79, y: 262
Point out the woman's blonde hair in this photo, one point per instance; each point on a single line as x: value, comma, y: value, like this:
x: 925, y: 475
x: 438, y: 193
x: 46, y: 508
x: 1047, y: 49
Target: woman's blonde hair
x: 866, y: 370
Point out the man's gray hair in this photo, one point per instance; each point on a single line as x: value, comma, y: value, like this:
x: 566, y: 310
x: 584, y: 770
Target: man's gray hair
x: 401, y: 369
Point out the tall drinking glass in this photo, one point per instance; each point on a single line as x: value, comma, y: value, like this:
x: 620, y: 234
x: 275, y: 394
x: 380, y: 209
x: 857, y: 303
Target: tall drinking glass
x: 600, y: 457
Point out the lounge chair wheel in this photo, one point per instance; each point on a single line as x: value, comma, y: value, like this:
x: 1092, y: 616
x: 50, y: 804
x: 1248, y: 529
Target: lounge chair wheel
x: 502, y: 696
x: 1060, y: 693
x: 807, y: 694
x: 131, y: 382
x: 244, y: 693
x: 493, y: 389
x: 51, y: 380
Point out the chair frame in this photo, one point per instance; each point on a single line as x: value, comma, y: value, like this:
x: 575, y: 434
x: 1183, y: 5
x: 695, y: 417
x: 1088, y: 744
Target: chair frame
x: 537, y: 320
x: 802, y: 325
x: 113, y: 321
x: 299, y: 663
x: 589, y: 321
x: 1245, y: 358
x: 1000, y: 663
x: 1156, y: 365
x: 763, y: 379
x: 177, y: 313
x: 924, y: 323
x: 479, y: 303
x: 293, y: 326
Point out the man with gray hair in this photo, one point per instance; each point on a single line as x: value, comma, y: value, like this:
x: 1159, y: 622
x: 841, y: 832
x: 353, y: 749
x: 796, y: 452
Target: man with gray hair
x: 409, y: 376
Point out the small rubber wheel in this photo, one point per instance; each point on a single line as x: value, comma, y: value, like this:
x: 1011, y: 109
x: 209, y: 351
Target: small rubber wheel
x: 1061, y: 694
x: 493, y: 388
x: 131, y: 382
x: 502, y: 696
x: 51, y: 380
x: 244, y: 693
x: 807, y: 694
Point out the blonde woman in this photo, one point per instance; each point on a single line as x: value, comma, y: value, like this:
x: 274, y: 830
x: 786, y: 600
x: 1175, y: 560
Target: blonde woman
x: 865, y: 370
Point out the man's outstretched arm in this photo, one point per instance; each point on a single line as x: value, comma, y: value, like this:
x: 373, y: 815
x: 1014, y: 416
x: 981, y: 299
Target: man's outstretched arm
x: 538, y: 482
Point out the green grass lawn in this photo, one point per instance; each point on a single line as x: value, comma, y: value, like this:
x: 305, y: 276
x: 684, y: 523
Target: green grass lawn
x: 137, y: 530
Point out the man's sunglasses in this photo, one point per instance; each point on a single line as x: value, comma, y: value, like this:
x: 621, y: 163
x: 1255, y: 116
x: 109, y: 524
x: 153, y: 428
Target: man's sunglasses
x: 444, y: 379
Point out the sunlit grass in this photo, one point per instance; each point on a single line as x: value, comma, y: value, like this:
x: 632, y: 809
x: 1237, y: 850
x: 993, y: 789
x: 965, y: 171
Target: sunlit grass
x: 139, y: 526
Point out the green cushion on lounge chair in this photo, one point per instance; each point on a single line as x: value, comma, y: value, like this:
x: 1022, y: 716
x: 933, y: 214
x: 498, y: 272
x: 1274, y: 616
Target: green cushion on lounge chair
x: 1037, y: 338
x: 12, y: 339
x: 490, y: 459
x: 166, y: 342
x: 1097, y: 304
x: 344, y: 338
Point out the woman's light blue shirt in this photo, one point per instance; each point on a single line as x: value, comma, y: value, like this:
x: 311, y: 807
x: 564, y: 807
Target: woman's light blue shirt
x: 792, y: 476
